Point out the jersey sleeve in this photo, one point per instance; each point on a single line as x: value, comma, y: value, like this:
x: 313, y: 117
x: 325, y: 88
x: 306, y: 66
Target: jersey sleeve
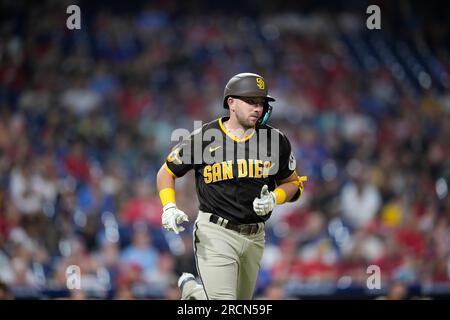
x: 287, y: 159
x: 180, y: 160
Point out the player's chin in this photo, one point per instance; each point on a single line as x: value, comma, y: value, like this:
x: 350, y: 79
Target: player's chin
x: 252, y: 120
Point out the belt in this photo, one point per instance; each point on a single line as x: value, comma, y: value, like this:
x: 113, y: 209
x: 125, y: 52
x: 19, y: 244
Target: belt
x: 245, y: 229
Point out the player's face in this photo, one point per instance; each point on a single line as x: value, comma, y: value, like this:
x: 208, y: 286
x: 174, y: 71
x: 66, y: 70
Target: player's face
x: 248, y: 110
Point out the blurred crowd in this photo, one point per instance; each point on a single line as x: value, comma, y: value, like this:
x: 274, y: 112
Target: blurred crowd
x: 86, y: 118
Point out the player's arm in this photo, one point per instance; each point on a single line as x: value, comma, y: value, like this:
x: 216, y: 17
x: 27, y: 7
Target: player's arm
x: 165, y: 183
x: 289, y: 189
x: 172, y: 216
x: 175, y: 166
x: 289, y: 184
x: 165, y: 179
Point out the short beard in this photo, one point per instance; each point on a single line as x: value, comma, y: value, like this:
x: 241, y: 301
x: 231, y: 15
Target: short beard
x: 244, y: 123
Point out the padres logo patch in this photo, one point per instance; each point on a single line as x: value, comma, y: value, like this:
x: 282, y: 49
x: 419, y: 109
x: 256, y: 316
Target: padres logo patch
x: 260, y: 83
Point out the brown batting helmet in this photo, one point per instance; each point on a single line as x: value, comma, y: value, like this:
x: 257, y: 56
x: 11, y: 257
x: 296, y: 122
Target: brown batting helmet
x: 249, y: 85
x: 246, y: 85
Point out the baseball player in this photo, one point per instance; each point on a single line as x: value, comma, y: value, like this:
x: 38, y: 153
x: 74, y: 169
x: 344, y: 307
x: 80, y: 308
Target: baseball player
x: 250, y: 169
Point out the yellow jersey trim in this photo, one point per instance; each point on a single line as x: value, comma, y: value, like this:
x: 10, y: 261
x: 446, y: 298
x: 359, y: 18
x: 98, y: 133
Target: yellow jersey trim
x: 169, y: 171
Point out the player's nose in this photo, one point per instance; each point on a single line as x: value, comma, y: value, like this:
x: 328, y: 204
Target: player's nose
x: 258, y: 108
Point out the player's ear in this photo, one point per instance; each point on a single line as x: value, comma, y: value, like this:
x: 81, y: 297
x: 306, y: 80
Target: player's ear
x: 230, y: 101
